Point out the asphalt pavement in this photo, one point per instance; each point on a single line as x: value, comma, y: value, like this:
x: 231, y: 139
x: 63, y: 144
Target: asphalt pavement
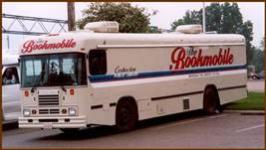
x: 231, y: 129
x: 188, y: 130
x: 256, y: 85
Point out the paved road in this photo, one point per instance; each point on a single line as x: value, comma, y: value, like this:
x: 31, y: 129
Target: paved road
x: 256, y: 85
x: 190, y: 130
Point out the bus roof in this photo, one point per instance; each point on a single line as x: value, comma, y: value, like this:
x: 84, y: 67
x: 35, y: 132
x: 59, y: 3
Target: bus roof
x: 80, y: 40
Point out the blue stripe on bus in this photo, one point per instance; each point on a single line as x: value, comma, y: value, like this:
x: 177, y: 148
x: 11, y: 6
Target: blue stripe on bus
x: 112, y: 77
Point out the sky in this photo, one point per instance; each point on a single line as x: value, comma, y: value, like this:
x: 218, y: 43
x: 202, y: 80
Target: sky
x: 167, y: 13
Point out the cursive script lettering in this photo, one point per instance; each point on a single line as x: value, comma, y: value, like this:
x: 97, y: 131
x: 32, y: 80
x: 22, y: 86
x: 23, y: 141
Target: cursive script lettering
x: 182, y: 60
x: 32, y: 45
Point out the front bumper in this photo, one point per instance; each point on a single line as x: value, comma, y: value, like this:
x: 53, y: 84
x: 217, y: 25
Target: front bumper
x: 53, y: 122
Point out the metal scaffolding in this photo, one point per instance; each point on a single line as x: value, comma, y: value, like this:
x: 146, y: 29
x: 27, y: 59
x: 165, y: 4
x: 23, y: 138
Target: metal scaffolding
x: 46, y: 25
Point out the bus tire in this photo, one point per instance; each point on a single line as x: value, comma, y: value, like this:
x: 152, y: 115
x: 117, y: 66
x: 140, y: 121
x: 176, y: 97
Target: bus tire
x: 126, y: 115
x: 211, y: 101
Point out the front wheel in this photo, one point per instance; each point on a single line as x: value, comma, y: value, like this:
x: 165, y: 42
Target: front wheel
x: 126, y: 115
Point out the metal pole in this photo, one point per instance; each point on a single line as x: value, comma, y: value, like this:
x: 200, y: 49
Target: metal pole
x: 203, y: 18
x: 71, y: 16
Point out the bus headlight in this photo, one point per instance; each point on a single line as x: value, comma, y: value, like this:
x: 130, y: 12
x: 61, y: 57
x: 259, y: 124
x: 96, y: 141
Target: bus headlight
x: 26, y: 112
x: 72, y: 111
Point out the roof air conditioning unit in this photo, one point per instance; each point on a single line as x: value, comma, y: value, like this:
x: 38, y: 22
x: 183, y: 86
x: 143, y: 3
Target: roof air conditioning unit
x: 103, y: 26
x: 189, y: 29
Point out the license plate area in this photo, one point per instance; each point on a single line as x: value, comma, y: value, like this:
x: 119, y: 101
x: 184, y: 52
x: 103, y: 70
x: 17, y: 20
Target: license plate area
x: 48, y: 125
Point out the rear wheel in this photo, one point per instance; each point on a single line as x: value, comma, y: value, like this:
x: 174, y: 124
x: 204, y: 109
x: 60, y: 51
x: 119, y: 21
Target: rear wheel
x: 211, y: 104
x: 126, y: 115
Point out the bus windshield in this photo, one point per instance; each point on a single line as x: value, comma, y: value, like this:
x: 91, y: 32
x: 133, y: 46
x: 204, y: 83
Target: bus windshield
x: 53, y: 70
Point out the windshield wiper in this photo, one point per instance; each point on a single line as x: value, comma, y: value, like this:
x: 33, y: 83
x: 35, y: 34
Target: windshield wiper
x: 33, y: 87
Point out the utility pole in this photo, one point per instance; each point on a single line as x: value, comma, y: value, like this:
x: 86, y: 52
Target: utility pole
x: 71, y: 16
x: 203, y: 18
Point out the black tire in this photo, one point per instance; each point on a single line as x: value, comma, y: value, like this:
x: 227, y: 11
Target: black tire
x: 211, y: 104
x: 126, y: 115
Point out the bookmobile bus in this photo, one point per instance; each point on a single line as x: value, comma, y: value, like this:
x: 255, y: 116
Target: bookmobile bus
x: 96, y: 76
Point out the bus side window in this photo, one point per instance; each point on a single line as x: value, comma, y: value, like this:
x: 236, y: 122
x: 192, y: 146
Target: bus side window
x: 10, y: 76
x: 97, y: 62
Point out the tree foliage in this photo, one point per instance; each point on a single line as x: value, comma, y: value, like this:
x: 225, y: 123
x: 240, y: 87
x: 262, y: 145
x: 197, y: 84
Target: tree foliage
x: 131, y: 19
x: 222, y: 18
x: 191, y: 17
x: 262, y: 43
x: 154, y: 29
x: 246, y: 31
x: 258, y: 59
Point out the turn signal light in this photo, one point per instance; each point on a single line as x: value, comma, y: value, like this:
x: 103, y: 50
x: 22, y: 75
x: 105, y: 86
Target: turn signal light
x: 33, y: 112
x: 64, y: 111
x: 71, y: 91
x: 26, y: 93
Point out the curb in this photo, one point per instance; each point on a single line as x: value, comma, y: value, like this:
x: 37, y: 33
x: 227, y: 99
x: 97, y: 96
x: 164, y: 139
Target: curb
x: 246, y: 112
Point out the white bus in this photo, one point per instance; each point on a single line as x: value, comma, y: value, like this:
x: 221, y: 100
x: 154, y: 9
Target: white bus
x: 83, y: 78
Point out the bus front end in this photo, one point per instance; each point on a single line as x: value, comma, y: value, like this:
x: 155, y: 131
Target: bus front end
x: 51, y: 90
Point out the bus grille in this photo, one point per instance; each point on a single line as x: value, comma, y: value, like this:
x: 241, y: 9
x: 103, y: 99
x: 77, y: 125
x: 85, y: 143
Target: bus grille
x: 49, y: 111
x: 48, y: 100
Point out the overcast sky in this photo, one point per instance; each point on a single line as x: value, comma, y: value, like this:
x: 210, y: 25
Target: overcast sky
x: 167, y: 13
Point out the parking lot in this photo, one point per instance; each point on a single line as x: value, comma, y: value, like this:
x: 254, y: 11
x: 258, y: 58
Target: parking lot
x: 72, y: 64
x: 190, y: 130
x: 187, y: 130
x: 256, y: 85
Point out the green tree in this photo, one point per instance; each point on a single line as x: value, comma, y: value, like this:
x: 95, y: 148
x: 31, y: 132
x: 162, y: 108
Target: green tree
x: 262, y: 43
x: 213, y: 18
x: 154, y: 29
x: 258, y: 59
x: 231, y: 20
x: 131, y: 19
x: 246, y: 29
x: 223, y: 18
x: 191, y: 17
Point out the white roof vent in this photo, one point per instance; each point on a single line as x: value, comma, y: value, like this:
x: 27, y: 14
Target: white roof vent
x: 103, y: 26
x: 189, y: 29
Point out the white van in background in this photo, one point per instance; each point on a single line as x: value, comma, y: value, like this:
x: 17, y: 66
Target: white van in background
x: 10, y: 88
